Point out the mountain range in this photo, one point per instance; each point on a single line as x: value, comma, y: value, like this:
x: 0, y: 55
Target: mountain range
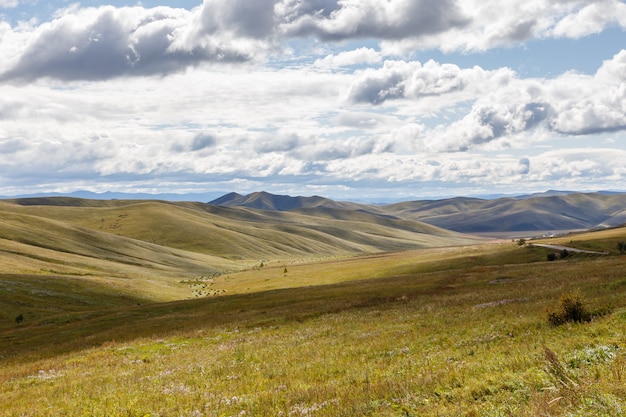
x: 552, y: 210
x: 79, y: 236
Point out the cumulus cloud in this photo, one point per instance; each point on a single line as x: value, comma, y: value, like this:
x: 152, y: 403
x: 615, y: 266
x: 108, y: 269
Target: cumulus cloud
x: 374, y: 19
x: 324, y: 119
x: 348, y: 58
x: 590, y: 19
x: 592, y: 104
x: 106, y: 42
x: 199, y: 142
x: 500, y: 115
x: 503, y: 105
x: 579, y: 166
x: 202, y: 141
x: 282, y: 142
x: 241, y: 18
x: 401, y: 79
x: 497, y: 23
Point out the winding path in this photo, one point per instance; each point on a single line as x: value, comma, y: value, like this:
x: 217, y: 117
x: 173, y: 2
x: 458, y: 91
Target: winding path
x: 558, y: 247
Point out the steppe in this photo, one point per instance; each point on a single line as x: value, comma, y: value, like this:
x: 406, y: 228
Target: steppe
x: 155, y: 308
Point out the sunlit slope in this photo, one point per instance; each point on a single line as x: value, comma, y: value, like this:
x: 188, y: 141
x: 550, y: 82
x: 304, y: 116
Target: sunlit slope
x: 442, y: 331
x: 606, y: 240
x: 32, y: 243
x: 243, y: 233
x: 558, y: 212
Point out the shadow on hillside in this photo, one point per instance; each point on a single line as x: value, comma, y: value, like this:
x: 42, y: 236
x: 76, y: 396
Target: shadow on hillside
x: 78, y: 330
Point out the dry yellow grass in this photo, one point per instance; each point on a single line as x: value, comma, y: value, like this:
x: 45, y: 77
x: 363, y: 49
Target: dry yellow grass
x: 458, y: 331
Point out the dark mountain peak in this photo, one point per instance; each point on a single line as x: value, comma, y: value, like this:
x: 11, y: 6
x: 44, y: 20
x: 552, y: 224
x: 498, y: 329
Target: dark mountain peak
x: 225, y: 199
x: 266, y: 201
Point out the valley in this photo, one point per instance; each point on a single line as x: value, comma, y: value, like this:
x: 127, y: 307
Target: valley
x: 299, y: 307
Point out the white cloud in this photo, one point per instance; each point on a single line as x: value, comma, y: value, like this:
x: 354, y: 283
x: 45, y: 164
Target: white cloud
x: 497, y: 23
x: 505, y: 108
x: 8, y: 4
x: 358, y: 19
x: 412, y: 80
x: 241, y: 18
x: 579, y: 166
x: 592, y: 18
x: 106, y: 42
x: 132, y: 96
x: 348, y: 58
x: 587, y: 105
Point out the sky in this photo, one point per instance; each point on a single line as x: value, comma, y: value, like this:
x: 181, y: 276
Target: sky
x: 347, y: 99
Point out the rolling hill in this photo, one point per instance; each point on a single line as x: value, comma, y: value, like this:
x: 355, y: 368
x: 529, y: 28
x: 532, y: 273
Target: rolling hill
x: 535, y: 213
x: 138, y: 307
x: 111, y: 237
x: 538, y: 212
x: 171, y: 241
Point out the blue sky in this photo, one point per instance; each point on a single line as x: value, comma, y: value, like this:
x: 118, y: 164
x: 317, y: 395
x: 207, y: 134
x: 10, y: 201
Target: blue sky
x: 349, y: 99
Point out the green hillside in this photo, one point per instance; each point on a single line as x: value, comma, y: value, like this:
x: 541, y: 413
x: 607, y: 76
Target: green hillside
x: 242, y: 233
x: 149, y: 308
x: 429, y: 332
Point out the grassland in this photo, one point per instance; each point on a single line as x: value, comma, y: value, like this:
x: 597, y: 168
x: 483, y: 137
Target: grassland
x: 448, y: 331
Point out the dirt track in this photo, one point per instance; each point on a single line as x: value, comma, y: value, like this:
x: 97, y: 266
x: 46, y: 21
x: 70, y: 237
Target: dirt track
x: 558, y: 247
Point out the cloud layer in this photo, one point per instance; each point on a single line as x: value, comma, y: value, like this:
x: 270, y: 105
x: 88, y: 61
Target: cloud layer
x: 322, y: 96
x: 105, y: 42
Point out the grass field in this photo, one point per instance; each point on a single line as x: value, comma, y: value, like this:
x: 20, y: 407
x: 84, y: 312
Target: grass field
x: 435, y: 332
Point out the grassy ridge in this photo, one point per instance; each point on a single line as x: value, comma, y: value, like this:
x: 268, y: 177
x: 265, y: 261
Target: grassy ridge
x: 240, y: 233
x: 556, y: 212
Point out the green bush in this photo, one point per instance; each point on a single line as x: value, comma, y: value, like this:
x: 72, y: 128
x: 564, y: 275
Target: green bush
x: 571, y: 308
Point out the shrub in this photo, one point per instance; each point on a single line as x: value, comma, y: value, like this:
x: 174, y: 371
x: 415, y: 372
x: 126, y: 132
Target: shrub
x: 19, y: 319
x: 571, y: 308
x: 551, y: 256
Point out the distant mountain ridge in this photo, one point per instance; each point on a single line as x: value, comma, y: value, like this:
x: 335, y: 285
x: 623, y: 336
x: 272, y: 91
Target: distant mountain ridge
x: 226, y: 233
x: 266, y: 201
x: 549, y: 211
x: 552, y: 210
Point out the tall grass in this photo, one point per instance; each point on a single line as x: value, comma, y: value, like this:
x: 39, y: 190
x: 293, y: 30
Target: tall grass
x: 459, y: 335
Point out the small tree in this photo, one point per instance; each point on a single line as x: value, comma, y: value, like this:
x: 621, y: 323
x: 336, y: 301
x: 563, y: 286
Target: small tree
x: 564, y: 254
x: 521, y: 242
x: 19, y: 319
x: 551, y: 256
x: 621, y: 246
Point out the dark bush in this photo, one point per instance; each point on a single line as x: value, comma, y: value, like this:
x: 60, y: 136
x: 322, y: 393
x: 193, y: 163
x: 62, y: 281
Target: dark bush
x: 571, y: 308
x: 551, y: 256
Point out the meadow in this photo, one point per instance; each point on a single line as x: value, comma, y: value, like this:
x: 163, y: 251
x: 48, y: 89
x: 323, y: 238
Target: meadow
x: 457, y: 331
